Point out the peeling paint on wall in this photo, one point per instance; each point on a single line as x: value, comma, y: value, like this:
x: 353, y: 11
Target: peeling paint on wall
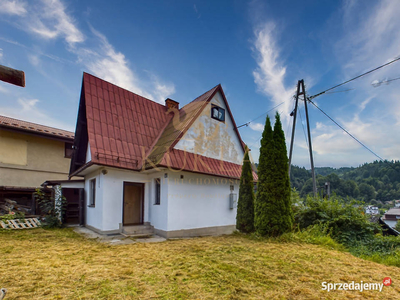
x: 213, y: 138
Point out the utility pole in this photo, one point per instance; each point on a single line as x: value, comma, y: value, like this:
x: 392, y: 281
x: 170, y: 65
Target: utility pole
x: 328, y: 189
x: 300, y: 86
x: 309, y: 141
x: 294, y: 114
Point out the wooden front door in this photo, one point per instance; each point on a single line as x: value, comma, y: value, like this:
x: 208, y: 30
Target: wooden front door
x: 133, y: 203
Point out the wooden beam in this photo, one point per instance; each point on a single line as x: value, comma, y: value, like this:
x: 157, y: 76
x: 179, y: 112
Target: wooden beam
x: 12, y: 76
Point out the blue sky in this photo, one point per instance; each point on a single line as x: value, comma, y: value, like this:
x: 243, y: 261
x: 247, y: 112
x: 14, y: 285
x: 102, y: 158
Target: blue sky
x: 257, y: 50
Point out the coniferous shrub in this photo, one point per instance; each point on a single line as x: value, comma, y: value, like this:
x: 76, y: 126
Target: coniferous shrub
x: 281, y: 189
x: 273, y: 209
x: 262, y: 204
x: 245, y: 208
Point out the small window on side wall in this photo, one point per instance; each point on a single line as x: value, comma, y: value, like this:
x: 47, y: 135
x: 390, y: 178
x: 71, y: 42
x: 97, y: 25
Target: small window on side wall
x: 157, y: 191
x: 68, y: 150
x: 92, y: 195
x: 217, y: 113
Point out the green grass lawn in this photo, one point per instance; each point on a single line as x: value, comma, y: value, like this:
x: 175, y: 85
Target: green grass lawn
x: 60, y: 264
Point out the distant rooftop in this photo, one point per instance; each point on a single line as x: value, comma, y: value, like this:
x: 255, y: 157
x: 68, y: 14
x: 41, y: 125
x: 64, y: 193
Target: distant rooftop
x: 7, y: 122
x: 393, y: 211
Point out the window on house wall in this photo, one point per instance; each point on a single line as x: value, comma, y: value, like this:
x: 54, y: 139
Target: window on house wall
x: 157, y: 191
x: 92, y: 196
x: 217, y: 113
x: 68, y: 150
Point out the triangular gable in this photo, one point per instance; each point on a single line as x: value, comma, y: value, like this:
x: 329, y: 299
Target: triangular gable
x: 185, y: 119
x: 213, y: 138
x: 180, y: 122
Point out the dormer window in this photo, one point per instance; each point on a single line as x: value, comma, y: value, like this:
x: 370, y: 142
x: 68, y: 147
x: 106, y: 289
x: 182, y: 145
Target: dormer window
x: 218, y: 113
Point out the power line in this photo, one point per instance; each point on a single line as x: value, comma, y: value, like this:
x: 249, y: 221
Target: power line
x: 341, y: 127
x: 348, y: 90
x: 253, y: 144
x: 358, y: 141
x: 246, y: 124
x: 304, y: 130
x: 361, y: 75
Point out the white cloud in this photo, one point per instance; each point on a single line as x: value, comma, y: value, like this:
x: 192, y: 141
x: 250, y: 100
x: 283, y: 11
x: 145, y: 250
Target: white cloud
x: 49, y: 19
x: 111, y: 65
x: 54, y: 11
x: 257, y: 126
x: 12, y: 7
x: 161, y: 90
x: 46, y: 18
x: 270, y: 74
x: 34, y: 60
x: 107, y: 63
x: 28, y: 110
x: 369, y: 38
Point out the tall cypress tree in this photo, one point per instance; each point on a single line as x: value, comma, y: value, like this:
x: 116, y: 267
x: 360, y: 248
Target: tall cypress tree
x: 262, y: 205
x: 245, y: 208
x: 281, y: 191
x: 273, y: 211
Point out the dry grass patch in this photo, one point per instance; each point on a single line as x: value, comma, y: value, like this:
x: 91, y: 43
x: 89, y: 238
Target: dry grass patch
x: 59, y: 264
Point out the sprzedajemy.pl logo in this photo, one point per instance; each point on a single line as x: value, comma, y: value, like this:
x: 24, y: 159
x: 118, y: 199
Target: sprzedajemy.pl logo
x: 356, y: 286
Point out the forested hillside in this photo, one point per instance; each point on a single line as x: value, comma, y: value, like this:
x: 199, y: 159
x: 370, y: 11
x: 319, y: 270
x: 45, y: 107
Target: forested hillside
x: 372, y: 181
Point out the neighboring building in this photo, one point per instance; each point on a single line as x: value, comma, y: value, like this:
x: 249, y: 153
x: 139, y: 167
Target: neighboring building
x: 392, y: 216
x: 397, y: 203
x: 372, y: 210
x: 172, y: 170
x: 30, y: 154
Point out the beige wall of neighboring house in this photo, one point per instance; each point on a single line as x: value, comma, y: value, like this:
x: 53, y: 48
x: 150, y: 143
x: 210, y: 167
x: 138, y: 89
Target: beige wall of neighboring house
x: 31, y: 154
x: 27, y: 160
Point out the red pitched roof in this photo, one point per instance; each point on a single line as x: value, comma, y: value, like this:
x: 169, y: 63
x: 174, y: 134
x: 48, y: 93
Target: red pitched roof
x: 129, y: 131
x: 121, y: 125
x: 183, y: 160
x: 11, y: 123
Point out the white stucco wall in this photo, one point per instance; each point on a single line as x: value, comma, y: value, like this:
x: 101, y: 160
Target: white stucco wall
x: 212, y: 138
x: 94, y: 215
x: 199, y: 201
x: 196, y: 201
x: 108, y: 211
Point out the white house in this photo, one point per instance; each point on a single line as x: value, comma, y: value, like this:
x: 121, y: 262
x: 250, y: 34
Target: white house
x: 372, y: 210
x: 149, y: 167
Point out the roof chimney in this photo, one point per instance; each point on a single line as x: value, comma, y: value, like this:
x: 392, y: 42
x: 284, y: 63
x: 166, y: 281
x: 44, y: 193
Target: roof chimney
x: 169, y: 104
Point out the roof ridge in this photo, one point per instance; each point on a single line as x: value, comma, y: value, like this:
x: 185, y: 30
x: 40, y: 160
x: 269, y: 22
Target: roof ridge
x: 20, y: 120
x: 162, y: 105
x: 215, y: 87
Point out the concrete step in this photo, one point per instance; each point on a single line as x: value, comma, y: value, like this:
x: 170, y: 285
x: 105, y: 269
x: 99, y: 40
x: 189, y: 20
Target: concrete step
x: 138, y: 230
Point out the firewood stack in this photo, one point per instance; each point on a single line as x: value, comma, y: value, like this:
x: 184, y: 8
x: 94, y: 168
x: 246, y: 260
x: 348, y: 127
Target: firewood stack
x: 12, y: 206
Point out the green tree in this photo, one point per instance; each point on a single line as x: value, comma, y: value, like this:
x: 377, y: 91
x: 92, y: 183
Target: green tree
x: 281, y: 188
x: 367, y: 191
x: 245, y: 209
x: 273, y: 214
x: 397, y: 226
x: 263, y: 204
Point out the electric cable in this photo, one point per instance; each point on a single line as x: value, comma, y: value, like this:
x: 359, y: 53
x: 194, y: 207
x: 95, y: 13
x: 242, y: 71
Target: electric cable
x: 354, y: 78
x: 357, y: 140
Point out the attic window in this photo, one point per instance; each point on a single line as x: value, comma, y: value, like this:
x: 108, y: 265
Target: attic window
x: 218, y: 113
x: 68, y: 150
